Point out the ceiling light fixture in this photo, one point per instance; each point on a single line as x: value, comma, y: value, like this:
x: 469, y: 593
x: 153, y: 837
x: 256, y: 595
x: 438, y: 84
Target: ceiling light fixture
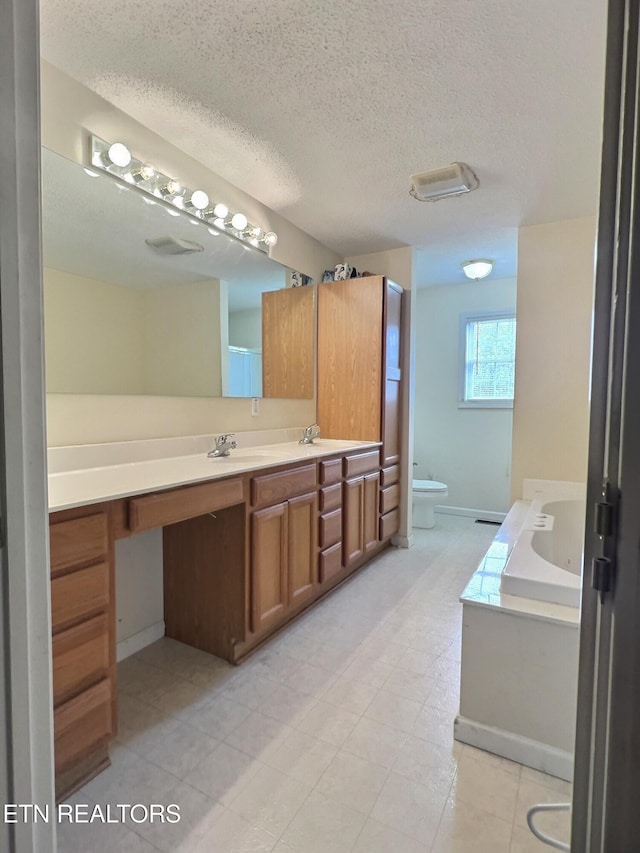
x: 115, y: 157
x: 477, y: 269
x: 455, y: 179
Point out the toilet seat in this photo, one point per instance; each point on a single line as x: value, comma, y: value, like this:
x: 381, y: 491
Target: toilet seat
x: 429, y: 486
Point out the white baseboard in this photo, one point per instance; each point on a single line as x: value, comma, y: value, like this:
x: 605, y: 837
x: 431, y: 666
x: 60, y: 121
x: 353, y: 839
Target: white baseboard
x: 532, y: 753
x: 468, y: 512
x: 402, y: 541
x: 131, y: 645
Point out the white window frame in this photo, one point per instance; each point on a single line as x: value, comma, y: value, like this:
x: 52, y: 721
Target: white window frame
x: 465, y: 319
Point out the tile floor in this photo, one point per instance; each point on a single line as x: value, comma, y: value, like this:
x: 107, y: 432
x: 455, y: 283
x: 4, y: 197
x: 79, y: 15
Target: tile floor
x: 335, y: 737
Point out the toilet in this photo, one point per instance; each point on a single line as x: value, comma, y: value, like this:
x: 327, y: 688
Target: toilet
x: 426, y: 494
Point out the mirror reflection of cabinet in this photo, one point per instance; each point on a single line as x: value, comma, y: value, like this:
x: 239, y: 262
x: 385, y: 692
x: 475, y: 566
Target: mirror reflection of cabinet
x: 288, y: 343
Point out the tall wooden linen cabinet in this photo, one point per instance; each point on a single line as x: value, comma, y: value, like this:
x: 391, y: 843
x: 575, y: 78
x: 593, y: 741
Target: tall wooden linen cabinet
x: 359, y: 392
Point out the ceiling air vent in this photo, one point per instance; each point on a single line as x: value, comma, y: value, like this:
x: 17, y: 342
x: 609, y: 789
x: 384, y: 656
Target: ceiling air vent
x: 455, y: 179
x: 174, y: 245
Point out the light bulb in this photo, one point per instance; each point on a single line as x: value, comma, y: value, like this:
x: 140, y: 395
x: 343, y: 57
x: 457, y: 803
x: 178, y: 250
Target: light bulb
x: 199, y: 199
x: 119, y: 154
x: 219, y: 223
x: 221, y: 211
x: 270, y: 238
x: 256, y: 232
x: 173, y: 188
x: 178, y: 201
x: 239, y: 221
x: 144, y: 173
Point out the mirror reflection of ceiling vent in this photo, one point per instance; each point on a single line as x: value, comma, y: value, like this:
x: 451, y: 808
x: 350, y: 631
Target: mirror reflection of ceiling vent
x: 456, y: 179
x: 174, y: 246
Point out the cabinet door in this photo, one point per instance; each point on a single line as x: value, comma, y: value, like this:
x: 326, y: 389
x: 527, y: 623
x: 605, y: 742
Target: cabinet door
x: 370, y: 513
x: 302, y: 562
x: 269, y: 537
x: 392, y: 374
x: 350, y: 358
x: 353, y: 511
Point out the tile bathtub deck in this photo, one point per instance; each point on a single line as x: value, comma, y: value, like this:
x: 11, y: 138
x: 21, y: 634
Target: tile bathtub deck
x: 338, y: 736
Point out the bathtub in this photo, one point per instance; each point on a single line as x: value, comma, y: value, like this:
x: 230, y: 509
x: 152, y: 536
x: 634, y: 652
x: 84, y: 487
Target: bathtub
x: 546, y: 560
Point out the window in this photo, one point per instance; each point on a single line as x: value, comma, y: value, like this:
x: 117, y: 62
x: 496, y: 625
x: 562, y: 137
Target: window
x: 487, y: 359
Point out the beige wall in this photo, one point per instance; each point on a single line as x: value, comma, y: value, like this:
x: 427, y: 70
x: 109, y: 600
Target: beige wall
x: 182, y: 340
x: 555, y: 301
x: 93, y: 341
x: 469, y: 449
x: 70, y: 112
x: 396, y: 264
x: 105, y: 339
x: 245, y: 328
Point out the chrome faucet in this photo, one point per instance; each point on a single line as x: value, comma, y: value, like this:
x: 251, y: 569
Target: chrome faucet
x: 223, y: 445
x: 310, y: 433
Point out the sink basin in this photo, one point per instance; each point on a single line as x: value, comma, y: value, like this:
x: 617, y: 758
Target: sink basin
x: 251, y: 456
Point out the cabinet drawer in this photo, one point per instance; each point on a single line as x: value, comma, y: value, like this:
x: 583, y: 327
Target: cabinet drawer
x: 330, y: 528
x: 330, y: 471
x: 80, y: 657
x: 273, y: 488
x: 170, y: 507
x: 390, y: 475
x: 361, y: 463
x: 82, y: 724
x: 389, y: 524
x: 389, y: 498
x: 81, y: 540
x: 330, y: 497
x: 330, y: 562
x: 79, y: 594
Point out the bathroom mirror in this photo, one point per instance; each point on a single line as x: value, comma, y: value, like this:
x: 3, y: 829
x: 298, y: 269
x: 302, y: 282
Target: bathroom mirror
x: 142, y: 299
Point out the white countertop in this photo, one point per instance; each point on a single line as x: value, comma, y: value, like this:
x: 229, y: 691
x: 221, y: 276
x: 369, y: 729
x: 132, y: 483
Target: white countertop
x: 90, y: 485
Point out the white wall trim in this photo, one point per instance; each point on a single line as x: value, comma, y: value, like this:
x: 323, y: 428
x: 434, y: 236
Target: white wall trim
x: 141, y: 640
x: 532, y: 753
x: 469, y: 512
x: 402, y: 541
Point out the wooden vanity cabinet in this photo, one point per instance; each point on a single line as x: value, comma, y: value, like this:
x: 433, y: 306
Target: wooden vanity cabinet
x: 243, y: 555
x: 360, y: 504
x: 83, y: 644
x: 389, y: 501
x: 283, y: 554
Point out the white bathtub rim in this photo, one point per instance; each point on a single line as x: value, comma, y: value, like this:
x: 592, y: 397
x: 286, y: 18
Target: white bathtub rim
x: 528, y: 575
x: 532, y: 753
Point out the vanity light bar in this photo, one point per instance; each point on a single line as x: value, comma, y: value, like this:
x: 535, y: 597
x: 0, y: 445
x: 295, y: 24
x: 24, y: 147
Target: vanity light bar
x: 116, y: 159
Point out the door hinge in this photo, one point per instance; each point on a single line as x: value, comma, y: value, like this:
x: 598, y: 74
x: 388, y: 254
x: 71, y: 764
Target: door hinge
x: 603, y: 520
x: 601, y: 575
x: 602, y: 566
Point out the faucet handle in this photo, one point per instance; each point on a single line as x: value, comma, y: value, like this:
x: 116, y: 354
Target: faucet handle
x: 222, y: 439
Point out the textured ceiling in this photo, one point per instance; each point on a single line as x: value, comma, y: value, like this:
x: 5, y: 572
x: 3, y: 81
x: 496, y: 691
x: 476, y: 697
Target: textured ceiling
x: 322, y: 110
